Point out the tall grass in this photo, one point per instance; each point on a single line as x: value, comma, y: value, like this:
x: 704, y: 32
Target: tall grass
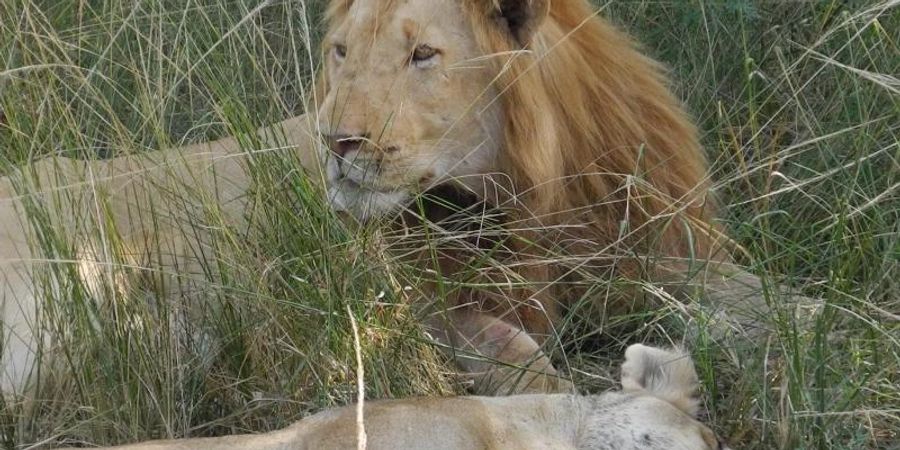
x: 798, y: 102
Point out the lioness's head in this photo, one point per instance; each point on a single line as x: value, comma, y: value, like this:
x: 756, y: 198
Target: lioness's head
x: 409, y: 98
x: 657, y: 409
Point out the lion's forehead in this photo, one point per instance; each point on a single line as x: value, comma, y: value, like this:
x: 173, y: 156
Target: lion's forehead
x: 379, y: 19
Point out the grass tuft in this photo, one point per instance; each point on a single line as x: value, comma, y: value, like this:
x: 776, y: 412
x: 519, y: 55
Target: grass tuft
x: 798, y: 103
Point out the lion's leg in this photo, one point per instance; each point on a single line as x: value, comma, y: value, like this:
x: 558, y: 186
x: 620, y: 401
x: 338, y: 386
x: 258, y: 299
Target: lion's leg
x: 737, y: 302
x: 501, y: 358
x: 535, y: 312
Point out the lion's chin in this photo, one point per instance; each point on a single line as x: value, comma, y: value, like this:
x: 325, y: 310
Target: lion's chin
x: 362, y: 203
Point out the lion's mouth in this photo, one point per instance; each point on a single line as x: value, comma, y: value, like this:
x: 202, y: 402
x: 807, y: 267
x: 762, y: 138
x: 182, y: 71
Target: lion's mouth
x: 363, y: 202
x: 357, y: 193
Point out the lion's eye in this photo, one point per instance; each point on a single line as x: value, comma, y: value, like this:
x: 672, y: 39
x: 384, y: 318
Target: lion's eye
x: 423, y: 54
x: 340, y: 51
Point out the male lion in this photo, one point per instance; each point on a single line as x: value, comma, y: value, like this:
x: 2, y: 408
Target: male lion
x: 545, y: 128
x: 656, y: 410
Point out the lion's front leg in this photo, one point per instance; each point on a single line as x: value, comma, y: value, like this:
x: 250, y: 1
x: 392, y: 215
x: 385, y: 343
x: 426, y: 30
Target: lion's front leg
x: 501, y: 358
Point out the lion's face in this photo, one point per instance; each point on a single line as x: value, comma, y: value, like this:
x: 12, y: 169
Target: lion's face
x: 409, y: 103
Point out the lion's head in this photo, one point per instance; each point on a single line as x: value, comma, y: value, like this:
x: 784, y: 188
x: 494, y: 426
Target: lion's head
x: 536, y: 104
x: 410, y: 102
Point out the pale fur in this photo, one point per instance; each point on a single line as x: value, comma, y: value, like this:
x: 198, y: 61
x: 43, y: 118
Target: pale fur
x: 669, y: 375
x: 100, y: 203
x: 640, y: 417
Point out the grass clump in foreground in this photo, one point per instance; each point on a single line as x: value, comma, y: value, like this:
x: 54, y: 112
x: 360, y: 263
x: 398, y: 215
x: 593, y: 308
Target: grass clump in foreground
x: 798, y: 102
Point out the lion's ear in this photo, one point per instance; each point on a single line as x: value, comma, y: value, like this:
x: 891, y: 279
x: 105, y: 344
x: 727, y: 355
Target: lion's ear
x: 666, y: 374
x: 521, y: 17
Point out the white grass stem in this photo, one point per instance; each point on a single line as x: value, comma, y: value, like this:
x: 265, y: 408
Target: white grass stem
x: 361, y: 437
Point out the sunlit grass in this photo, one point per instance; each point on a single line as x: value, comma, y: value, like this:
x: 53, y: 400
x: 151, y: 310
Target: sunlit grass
x: 798, y: 102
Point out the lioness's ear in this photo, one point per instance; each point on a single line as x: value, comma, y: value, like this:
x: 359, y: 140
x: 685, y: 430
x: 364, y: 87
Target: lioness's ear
x: 521, y: 17
x: 665, y: 374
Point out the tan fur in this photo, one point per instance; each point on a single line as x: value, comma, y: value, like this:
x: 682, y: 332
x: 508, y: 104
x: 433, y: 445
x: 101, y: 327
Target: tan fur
x: 669, y: 375
x: 638, y: 418
x: 105, y: 204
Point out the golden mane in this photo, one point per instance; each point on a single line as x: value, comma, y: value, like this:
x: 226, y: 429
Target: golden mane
x: 594, y: 137
x: 600, y: 157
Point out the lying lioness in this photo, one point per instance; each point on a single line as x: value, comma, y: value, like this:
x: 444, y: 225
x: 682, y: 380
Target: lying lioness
x: 655, y: 410
x: 142, y: 205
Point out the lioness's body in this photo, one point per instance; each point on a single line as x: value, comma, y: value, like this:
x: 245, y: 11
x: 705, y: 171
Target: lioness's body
x: 524, y: 422
x: 655, y: 412
x: 136, y: 207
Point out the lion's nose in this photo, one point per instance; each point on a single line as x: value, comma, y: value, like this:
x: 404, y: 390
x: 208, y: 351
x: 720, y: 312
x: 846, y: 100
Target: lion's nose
x: 341, y: 144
